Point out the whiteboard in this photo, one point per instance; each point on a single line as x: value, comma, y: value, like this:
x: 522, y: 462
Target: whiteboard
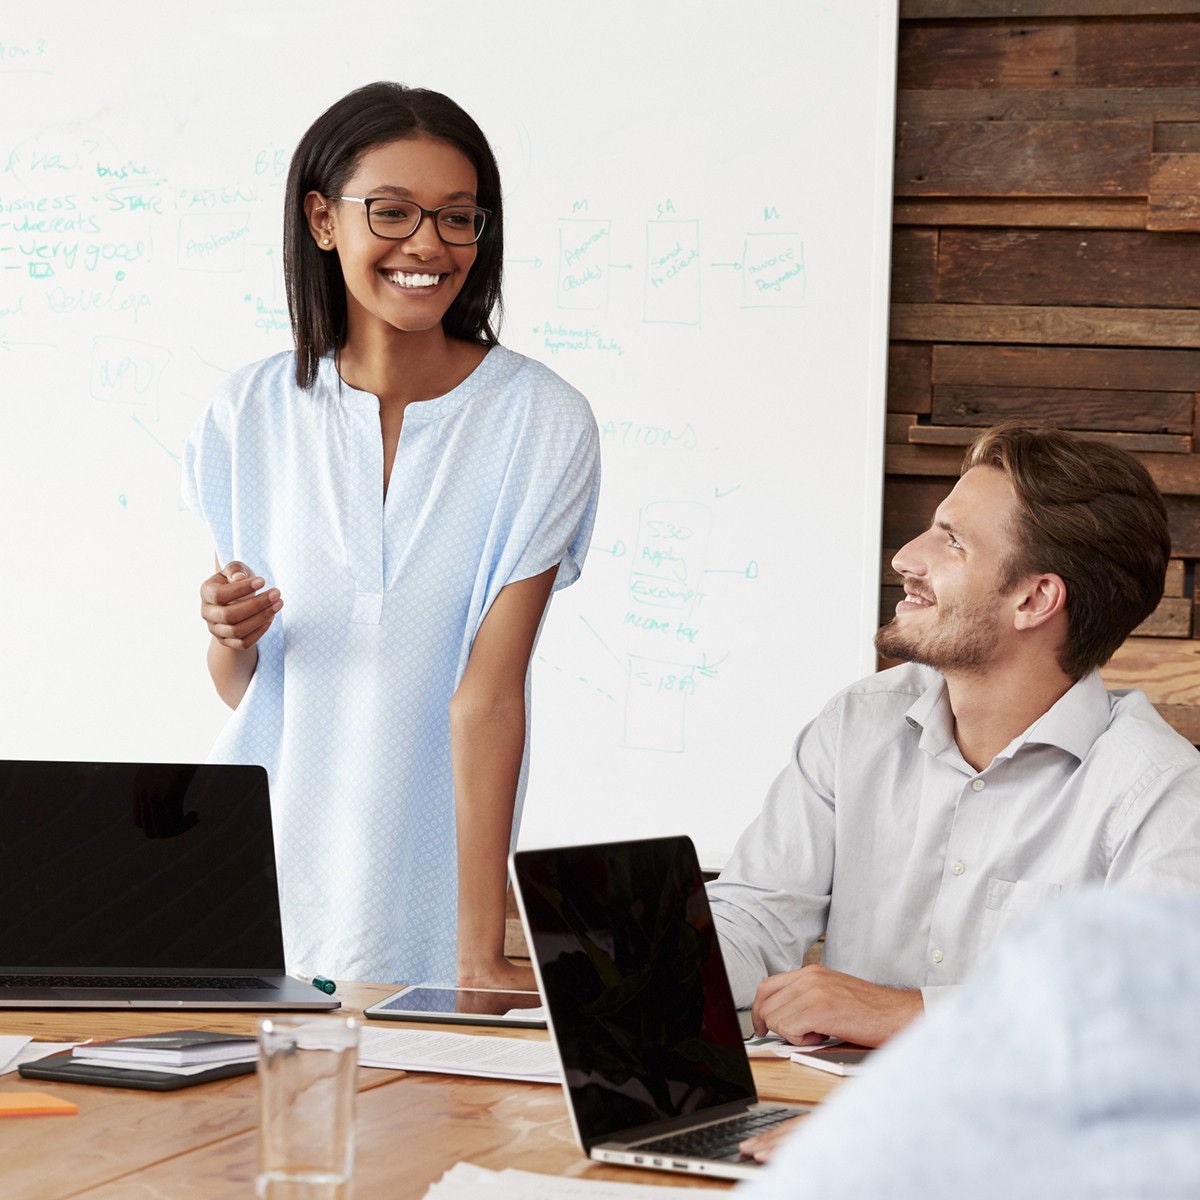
x: 698, y: 203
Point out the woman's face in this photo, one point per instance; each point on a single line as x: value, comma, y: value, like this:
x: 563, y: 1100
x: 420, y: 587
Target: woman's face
x: 407, y: 284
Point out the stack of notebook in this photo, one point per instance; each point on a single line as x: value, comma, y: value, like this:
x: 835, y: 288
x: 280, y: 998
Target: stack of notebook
x: 161, y: 1061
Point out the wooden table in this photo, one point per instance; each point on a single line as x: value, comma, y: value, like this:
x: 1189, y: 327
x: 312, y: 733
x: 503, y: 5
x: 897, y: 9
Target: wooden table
x: 200, y: 1143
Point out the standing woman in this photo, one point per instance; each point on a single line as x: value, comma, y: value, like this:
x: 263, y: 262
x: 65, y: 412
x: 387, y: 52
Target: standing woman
x: 416, y: 492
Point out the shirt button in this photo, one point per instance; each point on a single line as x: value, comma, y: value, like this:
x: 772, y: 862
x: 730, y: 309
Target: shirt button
x: 977, y: 785
x: 958, y: 868
x: 936, y: 956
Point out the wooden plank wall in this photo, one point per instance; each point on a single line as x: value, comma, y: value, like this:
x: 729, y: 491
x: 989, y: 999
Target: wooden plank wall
x: 1046, y: 264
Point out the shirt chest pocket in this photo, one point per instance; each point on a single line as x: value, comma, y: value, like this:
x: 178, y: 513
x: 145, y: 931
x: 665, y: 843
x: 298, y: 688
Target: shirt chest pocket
x: 1009, y: 898
x: 1009, y: 901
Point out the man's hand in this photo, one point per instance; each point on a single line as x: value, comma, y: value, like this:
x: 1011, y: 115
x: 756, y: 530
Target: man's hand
x: 761, y: 1146
x: 814, y: 1002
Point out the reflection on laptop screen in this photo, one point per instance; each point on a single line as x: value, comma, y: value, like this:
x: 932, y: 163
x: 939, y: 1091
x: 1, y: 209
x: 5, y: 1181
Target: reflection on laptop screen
x: 636, y: 991
x: 152, y: 866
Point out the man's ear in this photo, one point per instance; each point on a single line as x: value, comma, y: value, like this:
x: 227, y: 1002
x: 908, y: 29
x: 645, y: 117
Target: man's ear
x: 1041, y: 598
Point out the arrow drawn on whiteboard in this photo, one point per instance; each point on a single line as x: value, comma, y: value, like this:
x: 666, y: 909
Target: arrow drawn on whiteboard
x: 721, y: 493
x: 707, y: 669
x: 535, y: 263
x: 617, y: 549
x: 750, y: 570
x: 213, y: 365
x: 607, y: 648
x: 154, y: 438
x: 541, y: 658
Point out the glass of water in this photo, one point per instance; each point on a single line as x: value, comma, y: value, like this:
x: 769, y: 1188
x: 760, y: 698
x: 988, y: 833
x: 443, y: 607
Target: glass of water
x: 306, y: 1080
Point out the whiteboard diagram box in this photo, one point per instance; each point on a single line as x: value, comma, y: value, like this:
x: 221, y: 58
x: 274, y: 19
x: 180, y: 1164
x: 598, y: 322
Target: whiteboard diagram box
x: 673, y: 272
x: 583, y: 263
x: 773, y: 274
x: 213, y: 241
x: 655, y: 704
x: 126, y: 372
x: 669, y: 557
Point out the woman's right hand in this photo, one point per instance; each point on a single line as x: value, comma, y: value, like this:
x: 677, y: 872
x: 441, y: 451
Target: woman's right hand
x: 236, y: 612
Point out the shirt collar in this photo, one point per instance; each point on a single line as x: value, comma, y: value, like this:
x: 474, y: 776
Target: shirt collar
x: 931, y: 714
x: 1072, y: 723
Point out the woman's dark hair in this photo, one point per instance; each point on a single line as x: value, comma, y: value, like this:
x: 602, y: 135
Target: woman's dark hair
x: 326, y: 158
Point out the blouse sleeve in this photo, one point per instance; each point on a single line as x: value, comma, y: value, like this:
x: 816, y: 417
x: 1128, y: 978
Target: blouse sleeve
x: 547, y: 506
x: 562, y: 530
x: 207, y: 480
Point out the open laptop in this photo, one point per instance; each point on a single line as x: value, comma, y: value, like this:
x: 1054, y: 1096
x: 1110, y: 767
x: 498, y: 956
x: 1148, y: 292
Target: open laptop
x: 638, y: 1003
x: 140, y: 885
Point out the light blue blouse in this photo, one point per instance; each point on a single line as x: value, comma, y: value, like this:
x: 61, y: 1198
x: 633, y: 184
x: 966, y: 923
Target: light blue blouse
x: 494, y: 482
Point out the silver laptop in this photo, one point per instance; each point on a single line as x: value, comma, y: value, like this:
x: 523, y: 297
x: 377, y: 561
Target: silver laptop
x: 638, y: 1004
x: 140, y: 885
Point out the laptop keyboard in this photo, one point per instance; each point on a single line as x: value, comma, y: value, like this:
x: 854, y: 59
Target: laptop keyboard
x: 130, y: 981
x: 719, y: 1141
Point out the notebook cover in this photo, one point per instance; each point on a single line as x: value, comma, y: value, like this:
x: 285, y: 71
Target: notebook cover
x: 66, y: 1068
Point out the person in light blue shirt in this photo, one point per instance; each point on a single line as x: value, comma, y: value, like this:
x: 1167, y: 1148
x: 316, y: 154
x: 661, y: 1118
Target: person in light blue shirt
x: 1068, y: 1066
x: 930, y: 806
x: 392, y: 505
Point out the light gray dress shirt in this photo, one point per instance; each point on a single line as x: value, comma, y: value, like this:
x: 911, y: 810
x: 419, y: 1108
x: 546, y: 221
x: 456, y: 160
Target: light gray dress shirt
x: 880, y: 835
x: 1069, y: 1066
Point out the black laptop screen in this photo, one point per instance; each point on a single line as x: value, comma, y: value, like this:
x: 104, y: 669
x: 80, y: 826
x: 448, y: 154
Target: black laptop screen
x: 634, y: 982
x: 136, y: 866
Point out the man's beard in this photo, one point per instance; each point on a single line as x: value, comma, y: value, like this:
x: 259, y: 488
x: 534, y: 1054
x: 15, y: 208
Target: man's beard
x: 963, y: 639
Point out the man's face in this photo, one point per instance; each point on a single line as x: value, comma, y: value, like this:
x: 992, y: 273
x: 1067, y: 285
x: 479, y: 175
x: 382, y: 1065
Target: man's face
x: 953, y: 615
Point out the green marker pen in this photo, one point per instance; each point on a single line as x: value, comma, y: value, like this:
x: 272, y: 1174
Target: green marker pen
x: 319, y: 982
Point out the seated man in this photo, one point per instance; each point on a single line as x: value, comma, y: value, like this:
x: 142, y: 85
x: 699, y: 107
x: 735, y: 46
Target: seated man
x: 928, y: 806
x: 1069, y: 1065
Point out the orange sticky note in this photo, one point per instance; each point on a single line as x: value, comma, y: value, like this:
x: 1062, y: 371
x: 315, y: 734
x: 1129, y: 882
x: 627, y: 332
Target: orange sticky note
x: 35, y: 1104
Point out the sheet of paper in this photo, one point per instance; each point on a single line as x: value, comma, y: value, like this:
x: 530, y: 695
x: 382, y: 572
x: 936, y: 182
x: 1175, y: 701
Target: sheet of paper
x: 10, y: 1047
x: 768, y: 1046
x: 771, y: 1045
x: 17, y: 1050
x: 459, y: 1054
x: 465, y: 1180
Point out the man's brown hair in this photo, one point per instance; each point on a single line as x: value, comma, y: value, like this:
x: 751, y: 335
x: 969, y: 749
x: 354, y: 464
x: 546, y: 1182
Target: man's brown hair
x: 1090, y: 514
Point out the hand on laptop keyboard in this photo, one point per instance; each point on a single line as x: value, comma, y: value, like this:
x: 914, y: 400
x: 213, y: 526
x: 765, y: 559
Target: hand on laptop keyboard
x: 760, y: 1146
x: 721, y: 1140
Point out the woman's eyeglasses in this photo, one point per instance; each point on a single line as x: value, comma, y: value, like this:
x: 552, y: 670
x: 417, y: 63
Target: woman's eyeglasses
x: 456, y: 224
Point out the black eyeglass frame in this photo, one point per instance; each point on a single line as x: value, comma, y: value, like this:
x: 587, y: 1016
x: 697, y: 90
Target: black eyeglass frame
x: 435, y: 213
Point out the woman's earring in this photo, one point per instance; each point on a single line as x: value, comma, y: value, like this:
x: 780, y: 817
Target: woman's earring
x: 326, y: 241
